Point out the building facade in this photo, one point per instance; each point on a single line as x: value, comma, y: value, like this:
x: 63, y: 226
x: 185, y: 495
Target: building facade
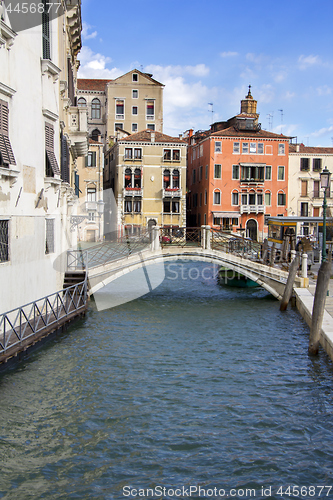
x: 305, y: 198
x: 147, y: 173
x: 91, y: 94
x: 237, y: 174
x: 40, y: 140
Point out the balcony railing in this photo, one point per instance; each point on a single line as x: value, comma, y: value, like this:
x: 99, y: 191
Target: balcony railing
x: 172, y: 193
x: 120, y: 117
x: 252, y: 181
x: 252, y: 209
x: 132, y: 158
x: 129, y: 191
x: 91, y: 206
x: 150, y: 118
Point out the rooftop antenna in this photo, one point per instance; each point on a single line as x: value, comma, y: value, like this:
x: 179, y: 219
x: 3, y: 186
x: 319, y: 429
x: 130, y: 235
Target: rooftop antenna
x: 281, y: 111
x: 211, y: 111
x: 332, y: 140
x: 270, y: 120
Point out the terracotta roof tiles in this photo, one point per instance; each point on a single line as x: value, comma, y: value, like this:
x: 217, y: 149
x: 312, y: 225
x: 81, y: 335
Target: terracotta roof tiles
x: 310, y: 149
x: 91, y: 84
x: 145, y: 136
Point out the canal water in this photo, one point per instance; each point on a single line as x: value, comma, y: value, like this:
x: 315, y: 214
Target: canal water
x: 194, y: 385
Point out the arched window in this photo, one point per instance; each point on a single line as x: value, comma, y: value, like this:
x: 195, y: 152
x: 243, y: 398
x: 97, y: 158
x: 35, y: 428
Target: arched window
x: 175, y: 179
x: 268, y: 198
x: 95, y: 109
x: 81, y: 102
x: 166, y: 179
x: 128, y: 178
x: 137, y: 178
x: 94, y: 134
x: 217, y: 197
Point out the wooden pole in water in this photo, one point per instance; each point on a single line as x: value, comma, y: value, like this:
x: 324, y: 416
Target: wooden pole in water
x: 290, y: 282
x: 323, y: 280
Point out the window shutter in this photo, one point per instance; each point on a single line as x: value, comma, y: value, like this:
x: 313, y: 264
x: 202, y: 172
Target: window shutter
x: 93, y: 163
x: 49, y: 146
x: 5, y: 146
x: 86, y: 160
x: 64, y: 159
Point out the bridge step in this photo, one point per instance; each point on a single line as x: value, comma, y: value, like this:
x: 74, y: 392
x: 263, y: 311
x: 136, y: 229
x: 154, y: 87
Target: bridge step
x: 73, y: 278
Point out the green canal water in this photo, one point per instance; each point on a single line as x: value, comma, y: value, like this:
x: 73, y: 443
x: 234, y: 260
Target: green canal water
x: 193, y: 385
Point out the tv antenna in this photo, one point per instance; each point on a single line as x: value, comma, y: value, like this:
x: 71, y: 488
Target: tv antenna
x: 211, y: 110
x: 270, y: 120
x: 281, y: 111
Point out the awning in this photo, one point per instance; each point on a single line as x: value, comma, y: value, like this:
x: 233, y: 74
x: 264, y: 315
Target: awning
x: 230, y: 215
x: 254, y: 164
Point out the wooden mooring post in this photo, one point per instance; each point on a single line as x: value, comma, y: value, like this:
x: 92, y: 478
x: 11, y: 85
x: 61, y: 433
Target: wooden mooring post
x: 318, y: 309
x: 290, y: 282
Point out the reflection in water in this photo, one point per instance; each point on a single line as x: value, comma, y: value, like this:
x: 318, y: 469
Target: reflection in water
x: 193, y: 384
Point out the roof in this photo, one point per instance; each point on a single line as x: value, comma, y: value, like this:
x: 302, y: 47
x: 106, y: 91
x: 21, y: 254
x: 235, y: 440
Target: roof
x: 310, y: 149
x: 91, y: 84
x: 91, y: 141
x: 145, y: 136
x: 146, y: 75
x: 262, y: 134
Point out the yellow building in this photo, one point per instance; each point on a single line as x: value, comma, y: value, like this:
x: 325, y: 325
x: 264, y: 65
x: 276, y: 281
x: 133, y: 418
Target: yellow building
x: 147, y: 173
x: 134, y: 102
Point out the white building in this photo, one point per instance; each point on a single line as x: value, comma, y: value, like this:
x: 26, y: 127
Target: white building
x: 42, y: 133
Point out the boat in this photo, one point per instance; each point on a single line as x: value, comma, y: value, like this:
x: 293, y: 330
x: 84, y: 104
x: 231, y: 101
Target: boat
x: 232, y: 278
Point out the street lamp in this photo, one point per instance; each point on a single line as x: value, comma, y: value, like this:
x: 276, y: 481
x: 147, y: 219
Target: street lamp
x: 325, y: 179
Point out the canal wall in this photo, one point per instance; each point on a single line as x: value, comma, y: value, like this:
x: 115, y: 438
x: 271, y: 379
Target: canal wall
x: 304, y: 304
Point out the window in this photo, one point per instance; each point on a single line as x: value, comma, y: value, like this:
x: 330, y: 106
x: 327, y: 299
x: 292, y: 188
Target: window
x: 151, y: 126
x: 137, y: 178
x: 245, y: 148
x: 193, y: 176
x: 316, y: 189
x: 253, y: 147
x: 236, y: 148
x: 118, y: 125
x: 128, y: 153
x: 252, y: 198
x: 136, y: 206
x: 91, y: 216
x: 206, y: 172
x: 201, y: 150
x: 217, y: 221
x: 95, y: 134
x: 51, y: 164
x: 304, y: 209
x: 91, y: 194
x: 217, y: 172
x: 134, y: 110
x: 316, y: 164
x: 316, y: 211
x: 281, y: 173
x: 205, y: 196
x: 128, y: 206
x: 46, y: 31
x: 77, y: 184
x: 120, y: 109
x: 235, y: 199
x: 260, y: 148
x: 281, y: 199
x: 252, y: 173
x: 218, y: 147
x: 95, y: 109
x: 304, y: 188
x: 49, y: 239
x: 217, y: 197
x: 137, y: 153
x: 200, y: 199
x: 135, y: 94
x: 91, y: 159
x: 268, y: 199
x: 81, y: 102
x: 305, y: 164
x: 134, y: 127
x: 200, y: 173
x: 150, y: 110
x: 176, y: 155
x: 6, y: 153
x: 281, y: 149
x: 135, y: 77
x: 167, y: 155
x: 175, y: 179
x: 244, y: 199
x: 235, y: 172
x: 171, y: 207
x: 128, y: 178
x: 259, y: 199
x: 4, y: 240
x: 268, y: 172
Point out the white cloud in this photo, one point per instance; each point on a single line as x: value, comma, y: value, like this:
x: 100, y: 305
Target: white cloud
x: 94, y: 65
x: 322, y: 131
x: 85, y: 35
x: 305, y: 62
x: 324, y: 90
x: 229, y: 54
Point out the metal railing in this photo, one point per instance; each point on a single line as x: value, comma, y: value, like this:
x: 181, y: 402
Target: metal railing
x: 24, y: 323
x: 180, y: 236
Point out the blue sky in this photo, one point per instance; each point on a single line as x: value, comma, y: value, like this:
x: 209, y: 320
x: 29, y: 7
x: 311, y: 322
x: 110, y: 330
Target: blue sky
x: 209, y: 52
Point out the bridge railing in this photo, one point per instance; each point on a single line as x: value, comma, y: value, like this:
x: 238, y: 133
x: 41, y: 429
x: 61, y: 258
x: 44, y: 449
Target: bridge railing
x: 21, y: 324
x: 180, y: 236
x: 236, y: 245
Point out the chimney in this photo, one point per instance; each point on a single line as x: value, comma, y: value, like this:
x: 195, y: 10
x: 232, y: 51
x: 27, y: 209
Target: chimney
x: 152, y: 136
x: 297, y: 148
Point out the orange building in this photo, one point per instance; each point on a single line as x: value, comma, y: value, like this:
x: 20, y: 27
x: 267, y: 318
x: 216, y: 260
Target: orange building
x: 237, y: 174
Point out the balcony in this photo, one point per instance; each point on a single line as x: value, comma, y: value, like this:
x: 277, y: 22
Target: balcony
x: 129, y: 191
x: 120, y: 116
x: 131, y: 158
x: 150, y: 118
x: 171, y: 193
x: 254, y: 182
x: 252, y: 209
x: 78, y: 131
x: 90, y: 206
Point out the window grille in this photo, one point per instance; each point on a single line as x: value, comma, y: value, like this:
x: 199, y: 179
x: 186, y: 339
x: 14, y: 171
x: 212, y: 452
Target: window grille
x: 4, y: 241
x: 49, y: 240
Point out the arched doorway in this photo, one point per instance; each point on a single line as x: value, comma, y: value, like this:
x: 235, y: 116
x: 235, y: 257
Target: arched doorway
x: 151, y: 224
x: 252, y: 229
